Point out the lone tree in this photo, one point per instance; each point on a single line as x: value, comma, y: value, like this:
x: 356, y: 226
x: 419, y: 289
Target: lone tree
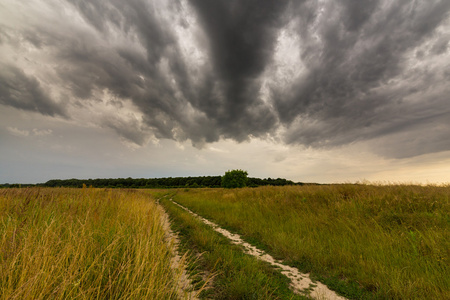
x: 234, y: 179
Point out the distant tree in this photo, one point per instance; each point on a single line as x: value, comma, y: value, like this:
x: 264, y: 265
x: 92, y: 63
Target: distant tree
x: 234, y: 179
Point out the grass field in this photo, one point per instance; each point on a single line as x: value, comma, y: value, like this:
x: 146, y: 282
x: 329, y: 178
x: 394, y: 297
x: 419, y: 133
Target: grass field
x: 364, y: 241
x: 233, y: 274
x: 380, y: 242
x: 83, y: 244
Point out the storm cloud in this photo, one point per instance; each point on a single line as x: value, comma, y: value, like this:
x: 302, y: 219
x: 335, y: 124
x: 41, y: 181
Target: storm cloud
x: 314, y: 73
x: 24, y: 92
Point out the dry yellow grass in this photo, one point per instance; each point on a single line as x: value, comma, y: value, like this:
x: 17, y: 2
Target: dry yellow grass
x: 83, y: 244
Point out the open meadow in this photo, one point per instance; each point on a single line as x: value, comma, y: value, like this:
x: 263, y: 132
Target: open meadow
x: 61, y: 243
x: 364, y: 241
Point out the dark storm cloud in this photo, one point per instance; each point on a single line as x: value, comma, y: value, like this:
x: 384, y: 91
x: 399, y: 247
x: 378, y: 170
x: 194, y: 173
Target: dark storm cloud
x: 345, y: 96
x: 131, y: 74
x: 241, y: 38
x: 357, y: 83
x: 24, y: 92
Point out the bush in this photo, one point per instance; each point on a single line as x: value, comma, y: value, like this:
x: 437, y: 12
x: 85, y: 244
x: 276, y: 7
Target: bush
x: 234, y: 179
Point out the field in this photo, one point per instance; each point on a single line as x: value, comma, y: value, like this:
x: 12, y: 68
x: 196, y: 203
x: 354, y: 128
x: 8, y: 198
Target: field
x: 83, y: 244
x: 380, y: 242
x: 364, y: 241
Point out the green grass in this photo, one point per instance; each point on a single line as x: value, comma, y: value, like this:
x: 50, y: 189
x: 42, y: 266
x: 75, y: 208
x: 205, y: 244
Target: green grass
x: 236, y: 275
x: 365, y: 241
x: 83, y: 244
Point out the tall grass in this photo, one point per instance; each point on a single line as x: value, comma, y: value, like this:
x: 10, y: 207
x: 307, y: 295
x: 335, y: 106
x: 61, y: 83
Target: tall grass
x: 236, y: 275
x: 82, y: 244
x: 385, y: 242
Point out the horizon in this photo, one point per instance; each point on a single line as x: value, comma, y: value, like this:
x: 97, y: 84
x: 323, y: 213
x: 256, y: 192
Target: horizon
x: 322, y: 92
x: 358, y: 182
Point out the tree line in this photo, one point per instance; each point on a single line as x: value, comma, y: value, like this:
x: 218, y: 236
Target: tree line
x: 167, y: 182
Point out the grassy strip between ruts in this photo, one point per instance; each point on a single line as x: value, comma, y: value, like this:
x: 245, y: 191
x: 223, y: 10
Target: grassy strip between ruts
x: 60, y: 243
x: 364, y: 241
x: 237, y: 275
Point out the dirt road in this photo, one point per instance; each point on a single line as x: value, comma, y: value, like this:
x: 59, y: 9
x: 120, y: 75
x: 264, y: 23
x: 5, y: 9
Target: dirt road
x: 300, y: 282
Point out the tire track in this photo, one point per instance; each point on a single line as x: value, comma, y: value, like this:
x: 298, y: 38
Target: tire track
x: 301, y: 283
x: 178, y: 263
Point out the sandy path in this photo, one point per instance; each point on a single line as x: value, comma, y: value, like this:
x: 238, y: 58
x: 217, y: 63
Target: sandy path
x: 185, y: 289
x: 300, y: 282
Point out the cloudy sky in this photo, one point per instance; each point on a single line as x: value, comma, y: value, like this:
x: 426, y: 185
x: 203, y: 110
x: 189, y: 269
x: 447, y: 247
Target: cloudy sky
x: 313, y: 90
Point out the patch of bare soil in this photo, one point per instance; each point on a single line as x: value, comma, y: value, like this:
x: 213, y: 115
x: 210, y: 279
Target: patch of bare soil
x: 300, y: 282
x: 185, y: 288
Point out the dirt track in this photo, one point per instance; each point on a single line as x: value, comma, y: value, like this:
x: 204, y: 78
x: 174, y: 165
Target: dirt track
x: 185, y: 290
x: 300, y: 282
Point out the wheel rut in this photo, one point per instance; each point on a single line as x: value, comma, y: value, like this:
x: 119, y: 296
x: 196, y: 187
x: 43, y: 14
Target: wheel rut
x: 301, y: 283
x: 178, y: 262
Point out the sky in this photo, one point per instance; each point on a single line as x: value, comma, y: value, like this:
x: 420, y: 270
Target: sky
x: 327, y: 91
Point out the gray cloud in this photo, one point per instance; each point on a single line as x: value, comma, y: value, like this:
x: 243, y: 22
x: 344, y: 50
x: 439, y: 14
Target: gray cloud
x: 371, y: 69
x: 25, y: 92
x: 347, y: 95
x: 130, y: 130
